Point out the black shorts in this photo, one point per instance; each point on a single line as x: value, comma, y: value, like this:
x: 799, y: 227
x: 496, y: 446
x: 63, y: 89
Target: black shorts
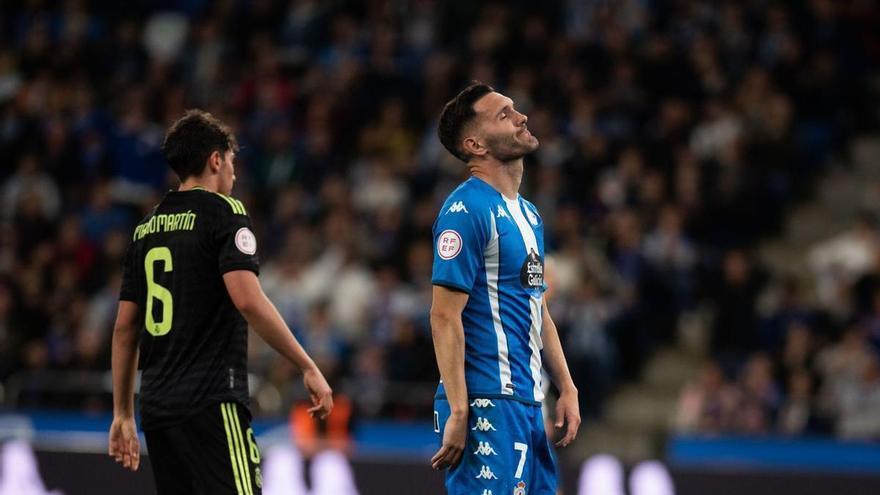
x: 211, y: 453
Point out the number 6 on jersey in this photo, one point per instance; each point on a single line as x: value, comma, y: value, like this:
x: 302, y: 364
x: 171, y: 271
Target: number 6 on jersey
x: 156, y: 291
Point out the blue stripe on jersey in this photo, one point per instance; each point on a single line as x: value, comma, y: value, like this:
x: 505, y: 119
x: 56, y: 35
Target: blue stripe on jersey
x: 493, y: 248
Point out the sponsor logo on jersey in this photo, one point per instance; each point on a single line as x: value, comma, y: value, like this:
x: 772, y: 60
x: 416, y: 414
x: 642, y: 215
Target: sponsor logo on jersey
x: 520, y: 488
x: 448, y: 244
x: 486, y: 473
x: 484, y: 448
x: 531, y: 275
x: 501, y: 212
x: 483, y: 424
x: 246, y: 241
x: 481, y: 403
x: 457, y: 207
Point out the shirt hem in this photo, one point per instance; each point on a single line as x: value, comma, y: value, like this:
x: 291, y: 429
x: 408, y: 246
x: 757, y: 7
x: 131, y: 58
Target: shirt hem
x: 530, y: 402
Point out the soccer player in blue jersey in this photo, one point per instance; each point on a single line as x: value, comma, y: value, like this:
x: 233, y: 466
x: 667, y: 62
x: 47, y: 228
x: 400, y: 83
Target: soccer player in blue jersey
x: 489, y: 320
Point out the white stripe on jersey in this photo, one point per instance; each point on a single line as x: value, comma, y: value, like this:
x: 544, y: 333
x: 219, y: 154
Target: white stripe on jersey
x: 493, y: 264
x: 531, y: 243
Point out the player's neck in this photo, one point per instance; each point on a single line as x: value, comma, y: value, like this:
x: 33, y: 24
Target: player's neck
x: 198, y: 183
x: 504, y: 177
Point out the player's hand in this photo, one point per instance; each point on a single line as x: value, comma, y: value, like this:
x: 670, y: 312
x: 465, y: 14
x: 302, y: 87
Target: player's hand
x: 454, y: 439
x: 319, y: 392
x: 569, y: 416
x: 125, y: 447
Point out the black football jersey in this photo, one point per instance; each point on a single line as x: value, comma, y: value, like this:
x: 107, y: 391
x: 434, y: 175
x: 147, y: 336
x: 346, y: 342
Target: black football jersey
x: 193, y: 341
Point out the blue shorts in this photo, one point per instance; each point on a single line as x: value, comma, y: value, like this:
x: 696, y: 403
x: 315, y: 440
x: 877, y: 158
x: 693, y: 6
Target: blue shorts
x: 507, y: 450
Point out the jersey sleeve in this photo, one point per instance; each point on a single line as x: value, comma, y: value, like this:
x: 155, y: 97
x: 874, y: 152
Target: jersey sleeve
x: 460, y: 238
x: 131, y: 286
x: 237, y: 243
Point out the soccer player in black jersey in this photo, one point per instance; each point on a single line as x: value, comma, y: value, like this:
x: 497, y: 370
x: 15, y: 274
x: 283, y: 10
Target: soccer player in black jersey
x: 189, y: 292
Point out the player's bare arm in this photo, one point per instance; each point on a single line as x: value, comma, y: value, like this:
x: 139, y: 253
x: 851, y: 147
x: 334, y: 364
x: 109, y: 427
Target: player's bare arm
x: 124, y: 445
x: 248, y: 297
x: 567, y: 411
x: 448, y: 334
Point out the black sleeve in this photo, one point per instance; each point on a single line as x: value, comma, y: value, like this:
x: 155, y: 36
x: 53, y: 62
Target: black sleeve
x: 237, y: 243
x: 131, y: 286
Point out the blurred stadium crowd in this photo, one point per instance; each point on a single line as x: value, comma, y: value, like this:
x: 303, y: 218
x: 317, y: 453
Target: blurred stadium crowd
x: 674, y: 136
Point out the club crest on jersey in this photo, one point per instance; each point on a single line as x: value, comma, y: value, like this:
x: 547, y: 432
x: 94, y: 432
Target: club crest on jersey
x: 245, y: 241
x: 531, y: 276
x: 448, y: 244
x: 533, y: 219
x: 520, y: 488
x: 457, y: 207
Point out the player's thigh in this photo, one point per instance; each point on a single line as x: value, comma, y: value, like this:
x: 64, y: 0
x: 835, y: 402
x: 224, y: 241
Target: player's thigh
x: 495, y: 453
x: 226, y: 458
x: 543, y: 473
x: 170, y: 471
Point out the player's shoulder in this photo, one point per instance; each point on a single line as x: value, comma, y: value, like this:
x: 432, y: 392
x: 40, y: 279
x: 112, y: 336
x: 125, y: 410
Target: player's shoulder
x: 470, y: 197
x: 222, y: 204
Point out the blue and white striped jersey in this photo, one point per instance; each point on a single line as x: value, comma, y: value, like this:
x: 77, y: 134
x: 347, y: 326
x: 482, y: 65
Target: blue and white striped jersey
x: 492, y: 248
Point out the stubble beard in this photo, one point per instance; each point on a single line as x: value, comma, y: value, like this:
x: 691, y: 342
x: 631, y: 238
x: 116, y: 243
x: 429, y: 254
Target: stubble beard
x: 509, y: 148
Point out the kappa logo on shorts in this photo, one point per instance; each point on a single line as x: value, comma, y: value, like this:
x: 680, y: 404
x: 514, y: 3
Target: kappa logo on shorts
x: 486, y: 473
x: 483, y: 424
x: 520, y: 488
x: 481, y: 403
x: 487, y: 492
x: 456, y: 207
x: 485, y: 449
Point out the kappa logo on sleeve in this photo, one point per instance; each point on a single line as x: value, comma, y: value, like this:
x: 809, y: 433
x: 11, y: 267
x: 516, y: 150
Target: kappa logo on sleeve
x: 448, y: 244
x: 456, y: 207
x: 246, y: 241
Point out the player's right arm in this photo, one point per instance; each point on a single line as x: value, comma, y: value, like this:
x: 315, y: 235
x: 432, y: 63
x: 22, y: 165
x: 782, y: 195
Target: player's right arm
x: 248, y: 297
x: 461, y: 233
x: 448, y: 333
x: 124, y: 445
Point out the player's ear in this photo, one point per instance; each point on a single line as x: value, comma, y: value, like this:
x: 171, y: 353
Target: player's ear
x: 473, y: 146
x: 215, y: 161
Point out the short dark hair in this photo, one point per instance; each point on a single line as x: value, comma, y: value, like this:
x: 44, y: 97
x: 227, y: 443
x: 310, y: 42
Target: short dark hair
x: 457, y: 114
x: 191, y: 140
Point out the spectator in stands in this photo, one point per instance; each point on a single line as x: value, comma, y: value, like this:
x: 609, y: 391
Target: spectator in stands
x: 759, y: 397
x: 734, y: 331
x: 708, y: 403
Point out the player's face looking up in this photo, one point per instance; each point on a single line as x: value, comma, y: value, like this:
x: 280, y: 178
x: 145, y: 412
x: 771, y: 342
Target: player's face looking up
x: 500, y: 129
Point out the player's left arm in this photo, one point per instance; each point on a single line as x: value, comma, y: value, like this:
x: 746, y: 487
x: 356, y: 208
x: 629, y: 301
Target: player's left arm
x: 567, y: 412
x: 124, y: 445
